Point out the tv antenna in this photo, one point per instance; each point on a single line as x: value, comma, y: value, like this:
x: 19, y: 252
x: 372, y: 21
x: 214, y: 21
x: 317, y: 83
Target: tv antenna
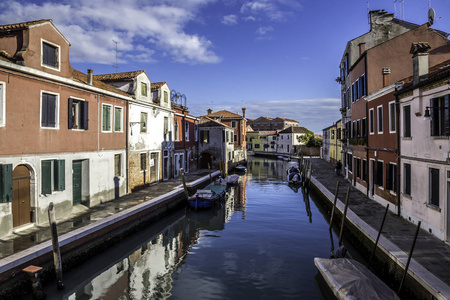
x: 401, y: 8
x: 116, y: 66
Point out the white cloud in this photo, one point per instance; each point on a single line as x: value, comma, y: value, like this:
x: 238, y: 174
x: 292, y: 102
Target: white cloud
x: 230, y: 20
x: 314, y: 114
x: 273, y: 10
x: 90, y: 26
x: 263, y: 32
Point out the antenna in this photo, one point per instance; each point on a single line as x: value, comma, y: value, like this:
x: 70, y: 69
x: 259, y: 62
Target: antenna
x: 117, y: 64
x: 401, y: 8
x: 368, y: 11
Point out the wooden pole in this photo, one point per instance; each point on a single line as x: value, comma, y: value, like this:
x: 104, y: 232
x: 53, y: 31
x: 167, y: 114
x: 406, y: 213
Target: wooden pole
x: 334, y: 203
x: 378, y: 236
x: 344, y: 216
x: 409, y: 258
x: 55, y: 245
x: 184, y: 183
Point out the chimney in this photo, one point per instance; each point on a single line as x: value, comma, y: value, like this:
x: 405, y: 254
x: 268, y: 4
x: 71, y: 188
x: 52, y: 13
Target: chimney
x: 89, y: 77
x: 243, y: 112
x: 209, y: 111
x: 386, y: 72
x: 420, y: 60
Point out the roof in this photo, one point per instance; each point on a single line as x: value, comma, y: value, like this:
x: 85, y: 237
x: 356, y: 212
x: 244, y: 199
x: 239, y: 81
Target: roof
x: 157, y: 85
x: 208, y: 122
x: 294, y: 129
x: 118, y: 76
x: 223, y: 114
x: 81, y: 77
x: 23, y: 25
x: 288, y: 120
x: 261, y: 119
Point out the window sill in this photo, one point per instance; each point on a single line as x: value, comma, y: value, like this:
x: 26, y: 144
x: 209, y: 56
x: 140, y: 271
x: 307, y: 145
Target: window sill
x: 381, y: 188
x: 407, y: 196
x: 406, y: 138
x: 441, y: 137
x: 434, y: 207
x: 393, y: 193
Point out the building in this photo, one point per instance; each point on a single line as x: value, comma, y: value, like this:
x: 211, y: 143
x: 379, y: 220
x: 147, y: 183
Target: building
x: 63, y: 133
x: 185, y: 140
x: 326, y: 142
x: 424, y: 131
x: 289, y: 138
x: 270, y: 124
x: 239, y: 125
x: 216, y: 144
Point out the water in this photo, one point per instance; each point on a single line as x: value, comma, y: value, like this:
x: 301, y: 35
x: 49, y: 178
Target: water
x: 260, y: 244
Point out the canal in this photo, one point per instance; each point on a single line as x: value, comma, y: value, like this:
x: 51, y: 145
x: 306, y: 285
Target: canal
x: 259, y: 244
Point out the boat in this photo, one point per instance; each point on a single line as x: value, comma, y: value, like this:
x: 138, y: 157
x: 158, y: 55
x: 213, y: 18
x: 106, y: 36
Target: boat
x: 232, y: 179
x: 240, y: 168
x: 283, y: 158
x: 294, y: 175
x: 250, y: 153
x: 349, y: 279
x: 206, y: 197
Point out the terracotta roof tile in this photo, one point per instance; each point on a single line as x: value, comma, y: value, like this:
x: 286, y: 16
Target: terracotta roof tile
x: 157, y: 85
x: 118, y: 76
x: 223, y: 114
x: 208, y: 122
x: 81, y: 77
x: 23, y: 25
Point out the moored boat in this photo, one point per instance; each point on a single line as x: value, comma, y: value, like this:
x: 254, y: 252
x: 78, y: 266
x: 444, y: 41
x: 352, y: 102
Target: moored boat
x: 206, y: 197
x: 349, y: 279
x: 232, y: 179
x: 294, y: 175
x: 240, y: 168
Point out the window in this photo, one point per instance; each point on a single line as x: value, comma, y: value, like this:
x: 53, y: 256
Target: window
x: 392, y: 117
x: 205, y: 136
x: 49, y: 110
x: 143, y: 161
x: 6, y: 183
x: 235, y: 138
x: 440, y: 116
x: 118, y: 119
x: 434, y: 187
x: 358, y: 128
x: 256, y: 146
x: 364, y: 127
x: 371, y: 121
x: 391, y: 177
x: 175, y: 129
x: 407, y: 121
x: 118, y: 165
x: 407, y: 179
x: 166, y: 125
x: 53, y: 176
x: 196, y: 132
x: 364, y: 172
x: 187, y: 130
x: 50, y: 55
x: 143, y: 122
x: 166, y: 97
x: 349, y: 162
x: 380, y: 118
x: 379, y: 174
x: 78, y: 114
x: 106, y: 118
x: 358, y: 168
x: 144, y: 89
x: 233, y: 124
x: 332, y: 134
x: 2, y: 104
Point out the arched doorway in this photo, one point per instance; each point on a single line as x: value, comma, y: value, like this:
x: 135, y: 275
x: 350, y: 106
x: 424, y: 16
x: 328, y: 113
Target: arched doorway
x: 21, y: 204
x: 205, y: 160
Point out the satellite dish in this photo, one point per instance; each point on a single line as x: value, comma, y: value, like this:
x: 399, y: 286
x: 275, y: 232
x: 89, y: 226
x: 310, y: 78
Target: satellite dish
x: 431, y: 16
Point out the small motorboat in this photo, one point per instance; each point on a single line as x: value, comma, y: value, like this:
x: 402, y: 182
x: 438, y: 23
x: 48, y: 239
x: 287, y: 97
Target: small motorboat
x: 283, y: 158
x: 206, y: 197
x: 349, y: 279
x: 232, y: 179
x: 240, y: 168
x: 294, y: 175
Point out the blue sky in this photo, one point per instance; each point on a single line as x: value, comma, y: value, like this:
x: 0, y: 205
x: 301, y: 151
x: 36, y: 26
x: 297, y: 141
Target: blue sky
x: 275, y: 57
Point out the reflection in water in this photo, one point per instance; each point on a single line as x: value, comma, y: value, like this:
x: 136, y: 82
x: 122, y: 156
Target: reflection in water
x: 258, y: 243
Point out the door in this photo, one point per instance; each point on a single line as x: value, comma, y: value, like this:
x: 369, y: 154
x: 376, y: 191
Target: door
x: 371, y: 178
x: 76, y: 182
x: 165, y: 166
x: 21, y: 204
x: 205, y: 160
x: 448, y: 205
x: 153, y: 167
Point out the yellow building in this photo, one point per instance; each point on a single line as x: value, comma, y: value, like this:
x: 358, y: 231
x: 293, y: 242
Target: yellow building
x: 335, y: 142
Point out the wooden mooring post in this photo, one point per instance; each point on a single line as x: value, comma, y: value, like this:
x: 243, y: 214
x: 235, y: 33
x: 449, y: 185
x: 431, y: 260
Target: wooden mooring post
x: 344, y: 216
x: 334, y: 203
x: 55, y: 246
x: 184, y: 183
x: 409, y: 258
x: 378, y: 237
x: 209, y: 169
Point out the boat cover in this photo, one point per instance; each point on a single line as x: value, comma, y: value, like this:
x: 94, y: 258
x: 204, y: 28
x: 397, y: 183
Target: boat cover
x: 349, y: 279
x: 216, y: 188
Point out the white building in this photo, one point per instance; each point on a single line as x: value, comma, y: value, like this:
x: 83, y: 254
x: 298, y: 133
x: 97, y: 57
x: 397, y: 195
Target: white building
x: 288, y: 138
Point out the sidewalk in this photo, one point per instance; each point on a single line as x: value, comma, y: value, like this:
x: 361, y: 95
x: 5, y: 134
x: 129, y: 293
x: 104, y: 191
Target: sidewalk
x: 431, y: 257
x: 33, y: 235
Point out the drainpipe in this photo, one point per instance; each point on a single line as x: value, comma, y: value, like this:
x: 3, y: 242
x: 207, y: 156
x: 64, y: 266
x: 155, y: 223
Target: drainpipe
x: 367, y: 131
x: 127, y: 148
x: 397, y: 121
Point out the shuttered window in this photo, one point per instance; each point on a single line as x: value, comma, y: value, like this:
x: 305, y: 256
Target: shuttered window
x: 380, y: 118
x: 391, y: 177
x: 379, y: 173
x: 6, y: 183
x: 106, y: 118
x: 118, y: 119
x: 392, y: 117
x: 407, y: 121
x: 50, y: 55
x: 440, y: 116
x: 166, y: 125
x: 434, y: 186
x: 49, y: 111
x: 2, y: 104
x: 407, y: 179
x: 52, y: 176
x: 371, y: 121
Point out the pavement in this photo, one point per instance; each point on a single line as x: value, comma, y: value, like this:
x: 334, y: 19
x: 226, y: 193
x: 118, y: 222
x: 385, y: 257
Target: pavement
x: 431, y: 257
x: 33, y: 234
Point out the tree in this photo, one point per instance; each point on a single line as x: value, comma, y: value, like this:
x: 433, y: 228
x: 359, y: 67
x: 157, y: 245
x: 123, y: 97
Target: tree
x: 304, y: 138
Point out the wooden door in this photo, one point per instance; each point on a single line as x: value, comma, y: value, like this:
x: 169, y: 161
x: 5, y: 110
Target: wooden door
x: 21, y: 204
x: 76, y: 182
x: 153, y: 167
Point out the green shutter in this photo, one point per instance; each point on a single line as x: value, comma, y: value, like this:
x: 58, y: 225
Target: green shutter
x: 46, y: 173
x: 59, y: 174
x: 6, y: 185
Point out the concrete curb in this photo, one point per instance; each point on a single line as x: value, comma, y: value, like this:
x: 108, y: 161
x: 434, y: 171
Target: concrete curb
x: 429, y: 281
